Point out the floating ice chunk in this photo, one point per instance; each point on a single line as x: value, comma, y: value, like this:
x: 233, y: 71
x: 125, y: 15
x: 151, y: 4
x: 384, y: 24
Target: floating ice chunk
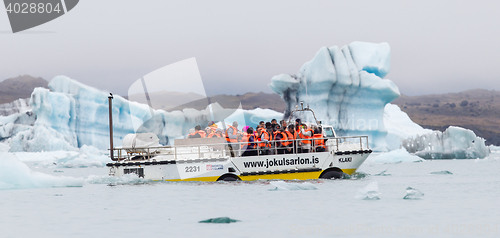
x: 445, y: 172
x: 393, y: 157
x: 282, y: 185
x: 219, y: 220
x: 14, y: 174
x: 87, y: 156
x: 454, y: 143
x: 370, y: 192
x: 413, y: 194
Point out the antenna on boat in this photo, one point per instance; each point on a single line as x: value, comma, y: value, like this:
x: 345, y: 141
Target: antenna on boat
x: 110, y: 98
x: 307, y: 95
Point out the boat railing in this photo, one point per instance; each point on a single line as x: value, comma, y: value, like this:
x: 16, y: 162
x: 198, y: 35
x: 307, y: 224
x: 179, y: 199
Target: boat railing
x: 243, y: 149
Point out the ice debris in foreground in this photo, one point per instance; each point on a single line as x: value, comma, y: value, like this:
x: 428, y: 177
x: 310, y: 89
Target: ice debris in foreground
x: 369, y: 192
x: 219, y: 220
x: 442, y: 172
x: 15, y: 174
x: 282, y: 185
x: 413, y: 194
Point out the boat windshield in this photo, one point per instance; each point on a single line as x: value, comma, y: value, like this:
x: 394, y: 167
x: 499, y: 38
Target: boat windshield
x: 328, y: 132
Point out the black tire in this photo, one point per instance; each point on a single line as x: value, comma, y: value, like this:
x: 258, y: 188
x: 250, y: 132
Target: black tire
x: 332, y: 174
x: 229, y: 178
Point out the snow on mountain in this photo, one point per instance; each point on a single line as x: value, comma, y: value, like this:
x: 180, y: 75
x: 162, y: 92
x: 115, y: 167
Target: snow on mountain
x: 345, y: 88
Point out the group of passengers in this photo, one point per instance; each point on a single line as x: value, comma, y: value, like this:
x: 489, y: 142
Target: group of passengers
x: 267, y: 138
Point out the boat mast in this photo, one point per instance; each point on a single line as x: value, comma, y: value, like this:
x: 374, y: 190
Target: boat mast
x: 110, y: 98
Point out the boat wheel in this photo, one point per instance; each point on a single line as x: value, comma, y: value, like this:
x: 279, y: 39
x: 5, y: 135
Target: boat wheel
x: 332, y: 174
x: 228, y: 178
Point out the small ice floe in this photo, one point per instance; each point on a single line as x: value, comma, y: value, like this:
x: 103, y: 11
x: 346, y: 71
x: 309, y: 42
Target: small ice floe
x: 369, y: 192
x: 219, y: 220
x: 445, y: 172
x: 15, y: 174
x: 413, y: 194
x: 382, y: 173
x: 282, y: 185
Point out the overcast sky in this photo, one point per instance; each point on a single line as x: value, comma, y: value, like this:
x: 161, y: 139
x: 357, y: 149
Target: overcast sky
x: 436, y: 46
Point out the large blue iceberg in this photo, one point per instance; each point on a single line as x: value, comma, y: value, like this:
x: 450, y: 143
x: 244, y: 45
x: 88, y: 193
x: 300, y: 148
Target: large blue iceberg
x: 345, y: 88
x: 71, y: 115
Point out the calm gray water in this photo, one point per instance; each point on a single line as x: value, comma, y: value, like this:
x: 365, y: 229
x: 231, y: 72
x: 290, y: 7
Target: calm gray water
x: 463, y: 203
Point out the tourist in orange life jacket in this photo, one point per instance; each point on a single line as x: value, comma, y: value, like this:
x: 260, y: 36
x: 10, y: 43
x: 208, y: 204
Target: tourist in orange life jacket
x: 283, y: 125
x: 243, y: 133
x: 198, y: 133
x: 216, y: 134
x: 318, y: 140
x: 250, y: 148
x: 212, y: 126
x: 305, y: 134
x: 291, y: 135
x: 280, y: 140
x: 297, y: 124
x: 208, y: 131
x: 262, y: 124
x: 232, y: 134
x: 274, y: 122
x: 265, y: 138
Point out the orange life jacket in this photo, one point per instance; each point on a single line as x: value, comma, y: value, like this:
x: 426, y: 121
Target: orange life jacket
x: 245, y: 139
x: 202, y: 133
x: 291, y: 136
x: 306, y: 137
x: 283, y: 137
x: 213, y: 134
x: 318, y: 140
x: 235, y: 132
x: 266, y: 136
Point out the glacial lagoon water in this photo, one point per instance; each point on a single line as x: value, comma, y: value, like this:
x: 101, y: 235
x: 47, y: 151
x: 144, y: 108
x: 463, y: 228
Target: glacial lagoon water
x: 460, y: 198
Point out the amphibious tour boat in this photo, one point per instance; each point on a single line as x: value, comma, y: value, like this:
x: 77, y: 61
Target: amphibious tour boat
x: 214, y: 159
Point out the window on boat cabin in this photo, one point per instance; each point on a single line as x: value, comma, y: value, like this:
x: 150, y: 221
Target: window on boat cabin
x: 328, y: 132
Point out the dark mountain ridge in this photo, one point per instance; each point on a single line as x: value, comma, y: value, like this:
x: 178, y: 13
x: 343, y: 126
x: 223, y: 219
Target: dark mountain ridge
x: 21, y: 86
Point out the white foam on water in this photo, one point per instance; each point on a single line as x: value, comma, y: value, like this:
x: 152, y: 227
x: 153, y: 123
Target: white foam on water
x: 111, y: 180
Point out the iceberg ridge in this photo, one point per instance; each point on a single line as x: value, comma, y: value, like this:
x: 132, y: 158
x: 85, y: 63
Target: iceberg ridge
x: 345, y: 89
